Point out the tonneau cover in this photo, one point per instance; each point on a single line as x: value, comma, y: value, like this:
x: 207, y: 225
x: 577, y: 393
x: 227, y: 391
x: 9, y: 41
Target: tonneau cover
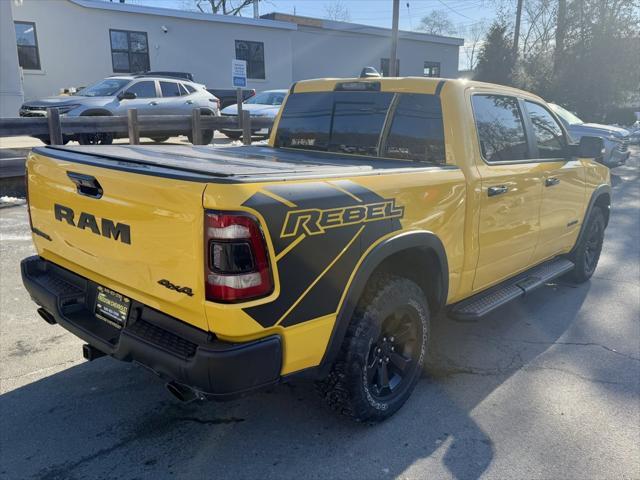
x: 235, y: 162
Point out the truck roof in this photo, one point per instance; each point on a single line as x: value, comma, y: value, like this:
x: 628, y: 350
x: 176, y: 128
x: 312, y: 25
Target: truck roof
x: 427, y: 85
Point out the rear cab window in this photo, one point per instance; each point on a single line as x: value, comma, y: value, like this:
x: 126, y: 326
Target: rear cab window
x: 399, y: 126
x: 416, y: 131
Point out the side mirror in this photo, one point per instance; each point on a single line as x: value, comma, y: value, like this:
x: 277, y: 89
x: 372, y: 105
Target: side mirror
x: 127, y: 96
x: 590, y: 147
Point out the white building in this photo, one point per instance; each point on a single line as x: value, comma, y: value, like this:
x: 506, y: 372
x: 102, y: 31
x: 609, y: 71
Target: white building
x: 72, y: 43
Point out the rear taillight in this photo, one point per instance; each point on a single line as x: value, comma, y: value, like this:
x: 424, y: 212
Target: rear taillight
x: 236, y: 259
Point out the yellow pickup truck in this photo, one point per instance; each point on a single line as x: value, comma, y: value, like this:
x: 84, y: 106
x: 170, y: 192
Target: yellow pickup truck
x: 324, y: 255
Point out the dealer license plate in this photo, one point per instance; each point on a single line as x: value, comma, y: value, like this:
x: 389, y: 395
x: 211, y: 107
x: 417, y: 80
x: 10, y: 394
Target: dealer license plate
x: 112, y: 307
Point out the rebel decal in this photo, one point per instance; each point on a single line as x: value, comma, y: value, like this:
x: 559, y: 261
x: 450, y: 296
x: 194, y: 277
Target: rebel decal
x: 319, y: 233
x: 315, y: 221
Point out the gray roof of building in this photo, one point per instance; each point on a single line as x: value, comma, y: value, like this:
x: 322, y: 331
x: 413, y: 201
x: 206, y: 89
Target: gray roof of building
x: 169, y: 12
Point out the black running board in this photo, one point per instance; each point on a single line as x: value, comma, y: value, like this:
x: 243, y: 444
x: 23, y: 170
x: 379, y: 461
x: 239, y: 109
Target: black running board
x: 487, y: 301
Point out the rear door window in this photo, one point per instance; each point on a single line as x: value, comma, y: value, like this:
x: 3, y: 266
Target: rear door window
x: 500, y: 128
x: 416, y: 131
x: 548, y: 133
x: 145, y: 89
x: 170, y: 89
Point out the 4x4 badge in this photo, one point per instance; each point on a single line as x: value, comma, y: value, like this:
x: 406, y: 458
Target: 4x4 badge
x: 167, y: 284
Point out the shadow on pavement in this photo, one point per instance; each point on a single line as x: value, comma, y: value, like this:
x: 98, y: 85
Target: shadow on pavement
x: 108, y: 419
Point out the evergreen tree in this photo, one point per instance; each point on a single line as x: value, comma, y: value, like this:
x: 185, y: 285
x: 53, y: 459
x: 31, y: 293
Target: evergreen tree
x: 495, y: 62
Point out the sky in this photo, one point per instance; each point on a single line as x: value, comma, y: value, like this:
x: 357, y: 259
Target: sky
x: 462, y: 13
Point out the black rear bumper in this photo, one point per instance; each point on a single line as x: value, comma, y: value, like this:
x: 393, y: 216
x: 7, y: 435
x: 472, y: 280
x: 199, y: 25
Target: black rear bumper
x: 174, y: 350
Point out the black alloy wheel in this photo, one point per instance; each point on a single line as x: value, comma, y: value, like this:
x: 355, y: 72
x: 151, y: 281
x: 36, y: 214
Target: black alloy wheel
x: 394, y: 356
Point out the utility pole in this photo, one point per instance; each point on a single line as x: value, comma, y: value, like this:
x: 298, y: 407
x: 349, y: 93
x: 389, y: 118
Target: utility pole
x: 516, y: 33
x: 256, y: 9
x: 394, y: 40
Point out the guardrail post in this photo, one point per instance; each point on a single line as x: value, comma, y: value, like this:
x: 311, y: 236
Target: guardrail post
x: 246, y: 127
x: 134, y: 127
x: 196, y: 127
x: 55, y: 129
x: 239, y: 100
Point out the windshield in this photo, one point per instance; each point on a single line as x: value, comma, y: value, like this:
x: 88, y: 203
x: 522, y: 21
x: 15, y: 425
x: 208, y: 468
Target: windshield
x: 104, y: 88
x: 267, y: 98
x: 565, y: 115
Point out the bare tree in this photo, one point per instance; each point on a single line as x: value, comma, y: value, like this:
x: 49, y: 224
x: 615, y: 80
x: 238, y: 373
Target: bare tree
x: 473, y: 40
x: 223, y: 7
x: 337, y: 11
x: 437, y: 23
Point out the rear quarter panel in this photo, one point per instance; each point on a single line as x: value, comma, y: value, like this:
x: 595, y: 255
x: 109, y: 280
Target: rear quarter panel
x: 318, y: 232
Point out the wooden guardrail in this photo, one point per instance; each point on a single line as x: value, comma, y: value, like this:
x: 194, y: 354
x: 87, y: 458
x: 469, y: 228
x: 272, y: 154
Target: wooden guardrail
x: 133, y: 125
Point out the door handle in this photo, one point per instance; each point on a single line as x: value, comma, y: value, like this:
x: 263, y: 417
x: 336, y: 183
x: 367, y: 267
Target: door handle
x: 190, y: 102
x: 551, y: 181
x: 153, y: 103
x: 497, y: 190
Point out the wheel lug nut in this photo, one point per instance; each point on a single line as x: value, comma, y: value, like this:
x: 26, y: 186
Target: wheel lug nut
x: 391, y: 339
x: 384, y: 339
x: 380, y: 361
x: 378, y: 350
x: 393, y: 349
x: 386, y: 359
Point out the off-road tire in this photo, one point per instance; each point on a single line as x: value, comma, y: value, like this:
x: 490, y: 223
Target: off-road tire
x: 587, y: 252
x: 346, y: 388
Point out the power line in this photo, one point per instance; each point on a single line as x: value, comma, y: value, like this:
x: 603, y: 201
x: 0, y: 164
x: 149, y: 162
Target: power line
x: 454, y: 11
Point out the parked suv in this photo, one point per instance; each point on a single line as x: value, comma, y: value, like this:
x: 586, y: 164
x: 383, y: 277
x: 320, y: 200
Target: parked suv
x: 616, y: 139
x: 149, y: 94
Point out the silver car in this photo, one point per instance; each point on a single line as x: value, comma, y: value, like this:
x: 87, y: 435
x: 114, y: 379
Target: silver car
x: 616, y: 139
x: 150, y: 95
x: 263, y: 105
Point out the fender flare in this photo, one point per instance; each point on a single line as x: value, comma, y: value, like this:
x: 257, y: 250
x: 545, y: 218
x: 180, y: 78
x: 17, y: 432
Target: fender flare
x: 420, y: 239
x: 597, y: 193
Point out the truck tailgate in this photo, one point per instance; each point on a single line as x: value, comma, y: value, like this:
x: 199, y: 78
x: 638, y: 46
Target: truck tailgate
x: 125, y: 231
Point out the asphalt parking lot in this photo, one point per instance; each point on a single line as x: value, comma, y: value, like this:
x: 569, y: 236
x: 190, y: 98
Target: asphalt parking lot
x: 546, y: 388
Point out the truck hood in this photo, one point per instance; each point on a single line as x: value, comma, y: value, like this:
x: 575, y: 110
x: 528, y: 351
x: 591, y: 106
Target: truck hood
x: 596, y: 129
